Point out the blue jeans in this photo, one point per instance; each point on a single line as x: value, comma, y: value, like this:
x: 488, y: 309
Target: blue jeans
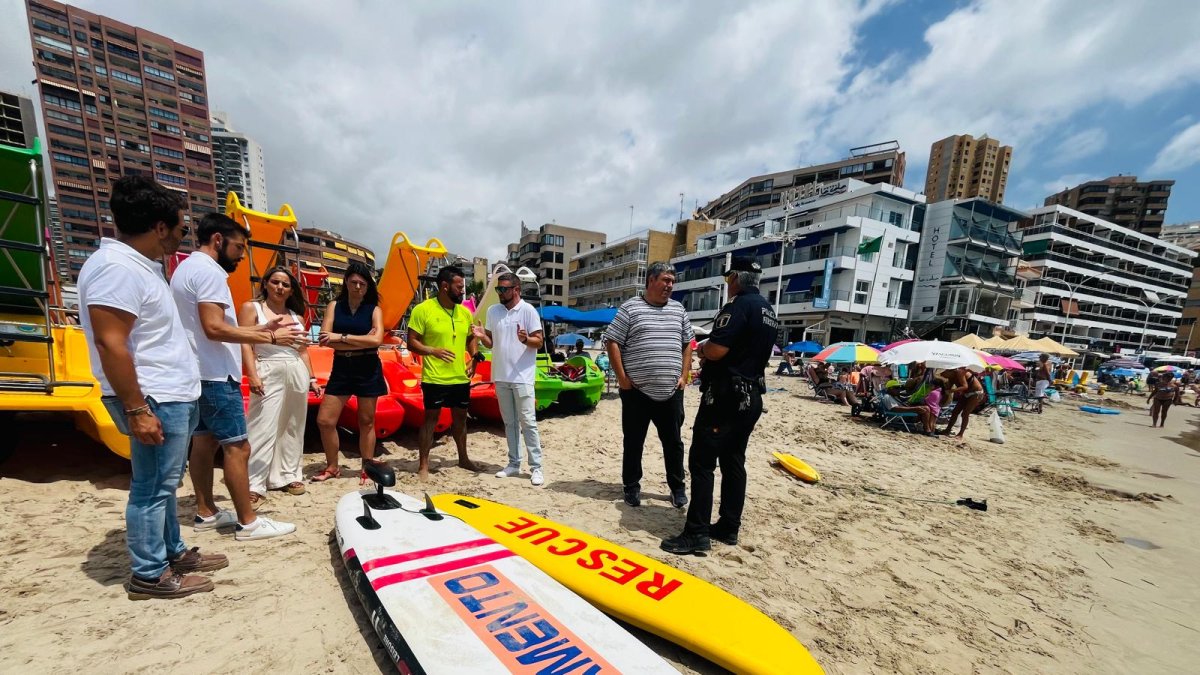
x: 151, y: 524
x: 518, y: 408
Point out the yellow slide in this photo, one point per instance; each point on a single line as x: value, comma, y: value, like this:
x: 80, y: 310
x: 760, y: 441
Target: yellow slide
x: 640, y: 590
x: 399, y: 284
x: 267, y: 236
x: 77, y: 392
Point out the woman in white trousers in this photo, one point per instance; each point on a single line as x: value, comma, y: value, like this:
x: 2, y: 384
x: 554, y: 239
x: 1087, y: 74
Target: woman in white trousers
x: 280, y: 379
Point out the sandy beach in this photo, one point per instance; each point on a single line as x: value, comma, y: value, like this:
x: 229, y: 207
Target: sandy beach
x: 1085, y: 561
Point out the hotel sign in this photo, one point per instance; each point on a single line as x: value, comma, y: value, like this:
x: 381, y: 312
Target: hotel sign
x: 811, y: 192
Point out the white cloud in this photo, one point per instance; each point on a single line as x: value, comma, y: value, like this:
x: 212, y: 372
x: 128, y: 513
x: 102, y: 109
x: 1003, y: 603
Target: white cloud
x: 1080, y: 145
x: 1181, y: 152
x: 1068, y: 181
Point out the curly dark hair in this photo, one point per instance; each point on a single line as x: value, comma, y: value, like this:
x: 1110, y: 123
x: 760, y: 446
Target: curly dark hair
x: 359, y: 269
x: 295, y: 302
x: 138, y: 204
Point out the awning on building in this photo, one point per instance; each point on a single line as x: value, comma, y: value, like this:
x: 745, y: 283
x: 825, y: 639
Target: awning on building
x: 801, y: 282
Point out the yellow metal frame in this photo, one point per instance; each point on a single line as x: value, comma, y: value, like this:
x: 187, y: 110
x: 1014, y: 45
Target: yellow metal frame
x: 265, y: 228
x: 399, y: 283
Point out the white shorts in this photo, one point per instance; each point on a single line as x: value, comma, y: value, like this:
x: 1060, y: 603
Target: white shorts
x: 1040, y: 388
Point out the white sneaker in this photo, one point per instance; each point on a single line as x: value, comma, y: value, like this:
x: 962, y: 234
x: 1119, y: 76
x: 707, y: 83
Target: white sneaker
x: 536, y: 478
x: 216, y: 521
x: 263, y: 528
x: 508, y: 472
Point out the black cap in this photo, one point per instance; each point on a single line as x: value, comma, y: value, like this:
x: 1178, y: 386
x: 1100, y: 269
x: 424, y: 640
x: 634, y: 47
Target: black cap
x: 743, y: 264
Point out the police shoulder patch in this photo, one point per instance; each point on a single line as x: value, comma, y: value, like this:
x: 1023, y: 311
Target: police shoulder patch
x: 723, y: 320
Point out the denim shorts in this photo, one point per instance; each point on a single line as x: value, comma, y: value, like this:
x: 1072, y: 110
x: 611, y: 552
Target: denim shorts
x: 222, y: 411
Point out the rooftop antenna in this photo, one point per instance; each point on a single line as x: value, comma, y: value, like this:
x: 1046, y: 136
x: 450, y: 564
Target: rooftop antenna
x: 631, y: 219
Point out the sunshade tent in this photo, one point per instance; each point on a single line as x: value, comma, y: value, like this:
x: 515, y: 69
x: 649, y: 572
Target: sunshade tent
x: 935, y: 354
x: 971, y: 340
x: 1020, y: 343
x: 1122, y: 363
x: 805, y: 347
x: 848, y: 352
x: 594, y: 318
x: 1052, y: 346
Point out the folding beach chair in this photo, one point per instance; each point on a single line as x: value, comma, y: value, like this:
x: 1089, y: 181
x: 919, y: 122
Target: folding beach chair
x: 895, y: 420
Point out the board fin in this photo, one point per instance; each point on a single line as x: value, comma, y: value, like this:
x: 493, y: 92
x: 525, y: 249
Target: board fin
x: 430, y: 511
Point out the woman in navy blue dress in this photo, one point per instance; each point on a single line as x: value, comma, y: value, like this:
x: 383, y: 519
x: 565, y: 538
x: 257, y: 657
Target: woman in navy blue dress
x: 353, y: 328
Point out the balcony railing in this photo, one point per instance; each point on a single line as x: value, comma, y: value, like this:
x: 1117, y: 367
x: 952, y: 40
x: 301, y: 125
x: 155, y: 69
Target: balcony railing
x: 1105, y: 243
x: 956, y: 267
x: 809, y: 296
x: 609, y: 263
x: 586, y: 289
x: 1056, y: 310
x: 1123, y: 274
x: 985, y: 236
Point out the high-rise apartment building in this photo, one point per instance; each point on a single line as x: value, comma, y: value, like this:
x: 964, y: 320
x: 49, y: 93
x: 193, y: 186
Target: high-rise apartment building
x: 322, y: 248
x: 1137, y: 205
x: 238, y: 165
x: 547, y: 251
x: 17, y: 124
x: 963, y: 166
x: 1102, y: 286
x: 879, y: 163
x: 117, y: 100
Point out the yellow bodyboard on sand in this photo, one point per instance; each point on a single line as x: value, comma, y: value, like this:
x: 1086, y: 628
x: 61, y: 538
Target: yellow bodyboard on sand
x: 640, y: 590
x: 797, y: 467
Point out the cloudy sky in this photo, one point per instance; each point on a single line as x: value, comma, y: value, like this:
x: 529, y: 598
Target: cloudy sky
x: 460, y: 120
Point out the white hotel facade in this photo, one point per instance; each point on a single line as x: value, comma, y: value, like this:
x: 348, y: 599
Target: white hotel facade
x: 829, y: 293
x: 1125, y: 289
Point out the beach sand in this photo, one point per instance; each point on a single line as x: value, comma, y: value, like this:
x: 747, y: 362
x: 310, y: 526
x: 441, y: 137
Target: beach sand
x: 870, y: 580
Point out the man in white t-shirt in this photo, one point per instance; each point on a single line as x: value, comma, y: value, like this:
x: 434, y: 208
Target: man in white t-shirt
x: 514, y: 332
x: 201, y: 289
x: 126, y: 309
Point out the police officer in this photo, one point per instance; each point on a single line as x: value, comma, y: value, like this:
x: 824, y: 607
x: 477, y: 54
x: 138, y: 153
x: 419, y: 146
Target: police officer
x: 731, y: 384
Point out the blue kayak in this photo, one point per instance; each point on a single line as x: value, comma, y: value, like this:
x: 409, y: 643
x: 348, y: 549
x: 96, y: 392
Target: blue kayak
x: 1097, y: 410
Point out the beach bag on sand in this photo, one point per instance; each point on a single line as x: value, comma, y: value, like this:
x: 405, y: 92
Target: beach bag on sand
x: 1053, y: 395
x: 997, y: 427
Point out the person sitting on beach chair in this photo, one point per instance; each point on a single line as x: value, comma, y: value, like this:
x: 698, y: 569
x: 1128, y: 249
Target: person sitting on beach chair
x: 787, y: 364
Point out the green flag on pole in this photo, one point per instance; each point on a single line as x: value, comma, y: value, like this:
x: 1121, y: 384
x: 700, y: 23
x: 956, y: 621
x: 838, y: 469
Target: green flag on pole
x: 871, y: 246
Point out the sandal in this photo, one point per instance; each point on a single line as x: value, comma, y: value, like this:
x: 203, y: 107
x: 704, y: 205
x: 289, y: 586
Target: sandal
x: 325, y: 475
x: 257, y: 500
x: 295, y: 488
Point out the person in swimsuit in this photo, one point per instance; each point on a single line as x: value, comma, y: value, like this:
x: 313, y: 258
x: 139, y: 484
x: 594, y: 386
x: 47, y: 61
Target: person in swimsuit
x: 967, y: 390
x: 1041, y: 376
x: 353, y: 328
x: 1163, y: 392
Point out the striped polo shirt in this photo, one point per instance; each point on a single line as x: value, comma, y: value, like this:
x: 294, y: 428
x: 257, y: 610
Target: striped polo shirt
x: 651, y: 339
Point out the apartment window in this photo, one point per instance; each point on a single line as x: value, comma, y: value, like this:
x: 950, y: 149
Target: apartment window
x: 165, y: 115
x: 578, y: 246
x: 861, y: 289
x: 558, y: 258
x: 132, y: 79
x: 159, y: 73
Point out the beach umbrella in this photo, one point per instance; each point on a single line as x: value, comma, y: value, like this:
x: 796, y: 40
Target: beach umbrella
x: 805, y: 347
x: 1052, y: 346
x: 897, y: 343
x: 1125, y: 372
x: 1018, y: 344
x: 569, y: 340
x: 1169, y: 369
x: 1122, y: 363
x: 935, y: 354
x: 1001, y: 361
x: 848, y: 352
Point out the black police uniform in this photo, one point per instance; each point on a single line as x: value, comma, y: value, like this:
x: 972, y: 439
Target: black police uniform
x: 730, y: 405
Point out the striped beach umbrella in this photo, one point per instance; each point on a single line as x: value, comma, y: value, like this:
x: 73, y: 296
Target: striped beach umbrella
x: 848, y: 352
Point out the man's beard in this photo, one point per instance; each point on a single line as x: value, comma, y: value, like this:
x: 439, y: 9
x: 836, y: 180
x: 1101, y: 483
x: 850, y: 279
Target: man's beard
x: 456, y: 298
x: 227, y: 263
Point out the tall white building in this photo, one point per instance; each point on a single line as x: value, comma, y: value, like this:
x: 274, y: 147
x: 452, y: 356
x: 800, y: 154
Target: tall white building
x: 830, y: 291
x: 1102, y: 286
x: 238, y: 164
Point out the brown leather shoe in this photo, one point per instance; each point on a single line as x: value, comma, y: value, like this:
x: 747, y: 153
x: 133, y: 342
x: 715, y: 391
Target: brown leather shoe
x: 194, y: 561
x: 168, y: 587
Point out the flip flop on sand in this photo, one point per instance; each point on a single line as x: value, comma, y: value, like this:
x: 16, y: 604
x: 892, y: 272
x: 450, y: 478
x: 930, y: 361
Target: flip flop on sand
x: 325, y: 475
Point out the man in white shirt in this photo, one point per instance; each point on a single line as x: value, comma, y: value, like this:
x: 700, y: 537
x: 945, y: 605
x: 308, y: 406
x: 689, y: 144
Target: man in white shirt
x: 514, y: 332
x: 201, y: 289
x: 127, y: 309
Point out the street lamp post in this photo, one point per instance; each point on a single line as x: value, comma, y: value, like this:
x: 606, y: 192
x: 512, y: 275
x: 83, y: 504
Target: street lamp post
x: 1154, y: 301
x: 1071, y: 299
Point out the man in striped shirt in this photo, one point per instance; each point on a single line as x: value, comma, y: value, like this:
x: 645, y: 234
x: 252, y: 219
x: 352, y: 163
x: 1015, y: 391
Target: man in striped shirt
x: 649, y: 349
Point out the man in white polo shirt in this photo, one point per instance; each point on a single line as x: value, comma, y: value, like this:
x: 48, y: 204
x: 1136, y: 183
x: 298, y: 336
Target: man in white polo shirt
x: 514, y: 332
x: 127, y: 309
x: 201, y: 288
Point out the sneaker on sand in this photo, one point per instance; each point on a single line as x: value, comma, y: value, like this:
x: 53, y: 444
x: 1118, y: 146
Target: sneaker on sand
x: 193, y: 560
x: 216, y: 521
x: 169, y: 586
x: 679, y: 498
x: 536, y: 478
x: 508, y: 472
x: 686, y: 544
x: 262, y: 528
x: 633, y: 495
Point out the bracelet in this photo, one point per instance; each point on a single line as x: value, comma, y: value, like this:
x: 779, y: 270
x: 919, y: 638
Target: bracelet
x: 273, y: 337
x: 143, y: 410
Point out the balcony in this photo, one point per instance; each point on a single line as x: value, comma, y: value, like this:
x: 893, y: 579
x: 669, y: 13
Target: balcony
x: 609, y: 263
x: 1104, y: 243
x: 1050, y: 256
x: 973, y: 272
x: 962, y: 232
x: 615, y: 284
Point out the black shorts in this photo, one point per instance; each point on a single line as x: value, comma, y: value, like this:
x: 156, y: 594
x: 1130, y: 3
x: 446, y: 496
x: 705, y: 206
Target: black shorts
x: 358, y: 375
x: 446, y: 395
